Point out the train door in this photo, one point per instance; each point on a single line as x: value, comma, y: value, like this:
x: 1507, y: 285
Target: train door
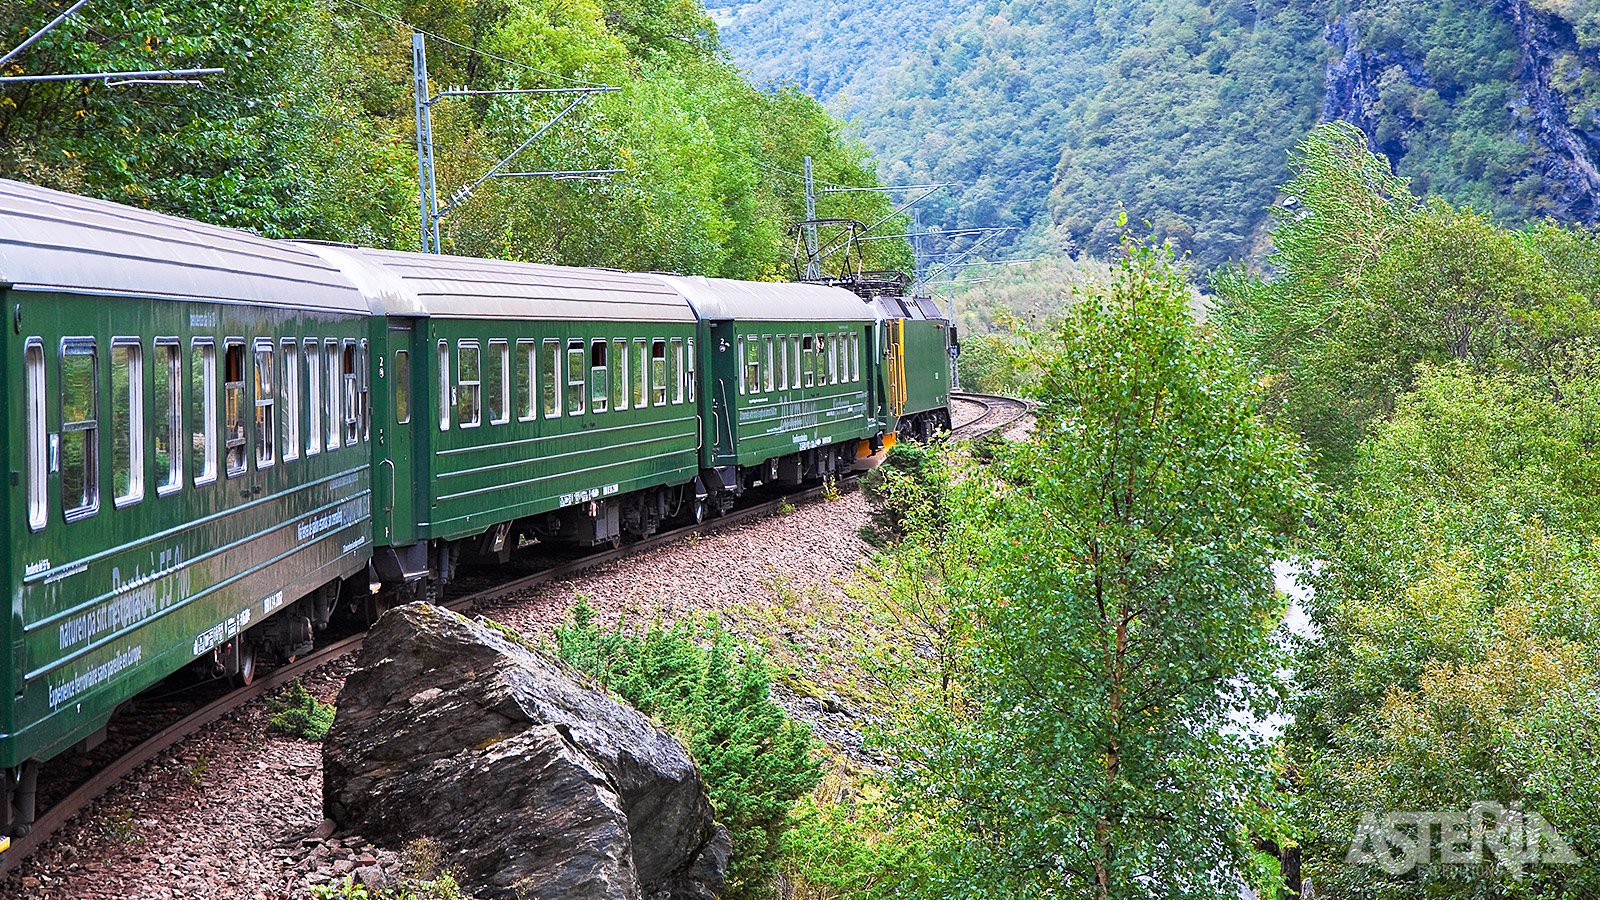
x: 722, y: 382
x: 397, y: 480
x: 895, y: 362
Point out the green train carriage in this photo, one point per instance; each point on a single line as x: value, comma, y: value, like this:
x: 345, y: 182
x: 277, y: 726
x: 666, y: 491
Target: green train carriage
x: 520, y: 401
x: 187, y: 448
x: 789, y: 386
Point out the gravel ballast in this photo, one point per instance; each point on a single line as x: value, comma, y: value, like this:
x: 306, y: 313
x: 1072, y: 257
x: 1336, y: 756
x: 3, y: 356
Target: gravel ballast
x: 235, y: 811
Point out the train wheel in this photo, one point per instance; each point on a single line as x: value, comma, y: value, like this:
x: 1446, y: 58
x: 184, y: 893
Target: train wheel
x: 245, y: 674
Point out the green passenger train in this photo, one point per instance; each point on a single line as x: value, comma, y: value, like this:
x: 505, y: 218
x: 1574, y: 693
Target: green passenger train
x: 215, y: 439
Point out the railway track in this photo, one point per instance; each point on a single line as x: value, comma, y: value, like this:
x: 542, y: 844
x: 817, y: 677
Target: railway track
x: 52, y: 820
x: 998, y: 414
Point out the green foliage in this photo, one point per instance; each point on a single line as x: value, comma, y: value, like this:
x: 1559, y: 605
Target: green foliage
x: 988, y: 365
x: 1110, y: 576
x: 300, y: 714
x: 702, y: 683
x: 859, y: 848
x: 995, y: 299
x: 443, y: 887
x: 1371, y: 283
x: 1051, y: 113
x: 905, y: 494
x: 1457, y: 651
x: 310, y: 131
x: 120, y: 826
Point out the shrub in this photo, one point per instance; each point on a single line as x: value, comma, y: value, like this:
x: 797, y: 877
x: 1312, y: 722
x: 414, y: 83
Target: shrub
x: 300, y: 714
x: 712, y: 690
x: 906, y: 494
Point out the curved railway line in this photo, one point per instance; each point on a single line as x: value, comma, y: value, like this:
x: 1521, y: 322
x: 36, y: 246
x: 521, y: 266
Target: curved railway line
x: 998, y: 413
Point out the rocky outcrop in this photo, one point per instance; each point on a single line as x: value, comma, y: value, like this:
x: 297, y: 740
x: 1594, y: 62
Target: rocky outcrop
x: 1350, y: 85
x: 533, y: 780
x: 1568, y: 159
x: 1564, y: 156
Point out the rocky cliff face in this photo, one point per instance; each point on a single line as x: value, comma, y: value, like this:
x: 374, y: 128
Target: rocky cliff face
x: 1549, y: 109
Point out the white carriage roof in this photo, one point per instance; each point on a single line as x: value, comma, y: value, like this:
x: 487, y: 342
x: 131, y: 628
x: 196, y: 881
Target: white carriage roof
x: 54, y: 241
x: 722, y: 298
x: 424, y: 284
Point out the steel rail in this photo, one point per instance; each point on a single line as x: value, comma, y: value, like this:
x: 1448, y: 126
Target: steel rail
x: 998, y: 414
x: 53, y: 819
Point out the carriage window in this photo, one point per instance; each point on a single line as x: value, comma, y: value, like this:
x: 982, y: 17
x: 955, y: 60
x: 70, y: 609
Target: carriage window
x: 575, y: 376
x: 166, y: 415
x: 752, y: 365
x: 619, y: 378
x: 794, y: 360
x: 782, y: 376
x: 833, y: 358
x: 233, y: 435
x: 363, y: 376
x: 548, y: 378
x: 469, y: 387
x: 80, y: 429
x: 689, y: 374
x: 820, y: 360
x: 402, y: 386
x: 739, y: 356
x: 641, y: 374
x: 203, y: 411
x: 768, y: 370
x: 599, y: 388
x: 855, y: 357
x: 266, y: 421
x: 330, y: 359
x: 289, y: 393
x: 127, y: 420
x: 675, y: 370
x: 314, y: 412
x: 354, y: 393
x: 498, y: 369
x: 38, y: 442
x: 658, y: 372
x: 525, y: 381
x: 444, y: 386
x: 807, y: 360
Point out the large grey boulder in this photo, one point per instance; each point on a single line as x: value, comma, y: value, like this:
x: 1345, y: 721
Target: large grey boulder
x: 530, y: 778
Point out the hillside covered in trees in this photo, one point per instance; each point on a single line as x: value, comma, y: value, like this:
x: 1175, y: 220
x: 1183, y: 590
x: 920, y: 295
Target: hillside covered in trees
x: 1055, y: 113
x: 310, y: 130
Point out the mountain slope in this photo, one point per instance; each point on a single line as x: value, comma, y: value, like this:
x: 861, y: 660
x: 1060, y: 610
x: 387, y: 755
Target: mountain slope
x: 1056, y: 114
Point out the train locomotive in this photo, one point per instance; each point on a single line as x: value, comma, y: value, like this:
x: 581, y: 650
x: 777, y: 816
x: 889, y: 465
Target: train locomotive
x: 215, y: 439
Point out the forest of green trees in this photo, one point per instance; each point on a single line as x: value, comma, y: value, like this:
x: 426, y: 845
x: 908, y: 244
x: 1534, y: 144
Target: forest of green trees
x: 1053, y: 115
x: 310, y: 132
x: 1406, y: 411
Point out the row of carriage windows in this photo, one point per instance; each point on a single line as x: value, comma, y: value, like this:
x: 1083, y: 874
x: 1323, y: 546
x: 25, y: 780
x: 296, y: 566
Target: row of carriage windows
x: 179, y: 425
x: 788, y: 361
x: 574, y: 377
